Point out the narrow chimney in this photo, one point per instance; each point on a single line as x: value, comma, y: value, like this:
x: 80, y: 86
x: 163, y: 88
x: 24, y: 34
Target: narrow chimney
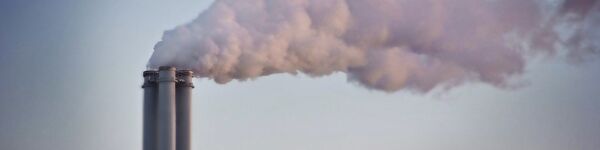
x: 166, y: 108
x: 150, y: 106
x: 183, y: 109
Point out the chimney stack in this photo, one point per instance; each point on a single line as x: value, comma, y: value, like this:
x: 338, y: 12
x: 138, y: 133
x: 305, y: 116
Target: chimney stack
x: 150, y: 99
x: 167, y: 107
x: 183, y: 110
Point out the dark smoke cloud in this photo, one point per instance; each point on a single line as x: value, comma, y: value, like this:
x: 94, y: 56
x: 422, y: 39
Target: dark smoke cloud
x: 387, y: 45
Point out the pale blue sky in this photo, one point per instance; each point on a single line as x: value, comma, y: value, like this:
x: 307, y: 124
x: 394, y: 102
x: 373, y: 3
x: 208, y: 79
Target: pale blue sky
x: 71, y: 76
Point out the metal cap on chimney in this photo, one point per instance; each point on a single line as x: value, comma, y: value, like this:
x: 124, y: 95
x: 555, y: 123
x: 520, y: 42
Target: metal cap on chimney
x: 149, y: 78
x: 185, y: 78
x: 150, y: 73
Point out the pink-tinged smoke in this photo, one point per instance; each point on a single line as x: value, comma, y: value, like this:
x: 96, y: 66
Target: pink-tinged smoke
x: 387, y: 45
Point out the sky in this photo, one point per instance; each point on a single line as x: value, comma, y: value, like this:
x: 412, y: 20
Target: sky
x: 71, y: 80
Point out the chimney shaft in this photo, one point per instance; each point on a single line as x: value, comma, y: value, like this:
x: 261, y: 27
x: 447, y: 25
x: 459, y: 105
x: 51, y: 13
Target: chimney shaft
x: 150, y: 99
x: 183, y: 109
x: 166, y: 109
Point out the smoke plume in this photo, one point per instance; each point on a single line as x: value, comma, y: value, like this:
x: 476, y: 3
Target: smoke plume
x: 387, y: 45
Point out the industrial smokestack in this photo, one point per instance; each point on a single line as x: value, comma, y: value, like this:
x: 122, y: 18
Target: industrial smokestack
x: 183, y: 109
x: 166, y: 109
x: 150, y: 106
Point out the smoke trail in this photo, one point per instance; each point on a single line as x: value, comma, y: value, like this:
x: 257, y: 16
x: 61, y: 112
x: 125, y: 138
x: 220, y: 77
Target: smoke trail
x: 387, y: 45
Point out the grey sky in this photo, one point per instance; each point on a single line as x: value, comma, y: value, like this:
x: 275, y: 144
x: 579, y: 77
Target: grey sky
x: 71, y: 76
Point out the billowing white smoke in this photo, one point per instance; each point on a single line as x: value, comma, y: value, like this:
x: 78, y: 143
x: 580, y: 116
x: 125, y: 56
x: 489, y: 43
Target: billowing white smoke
x: 387, y: 45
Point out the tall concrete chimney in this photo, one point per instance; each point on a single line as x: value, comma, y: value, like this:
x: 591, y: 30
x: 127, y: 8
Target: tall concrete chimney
x: 150, y: 99
x: 183, y: 109
x: 166, y: 108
